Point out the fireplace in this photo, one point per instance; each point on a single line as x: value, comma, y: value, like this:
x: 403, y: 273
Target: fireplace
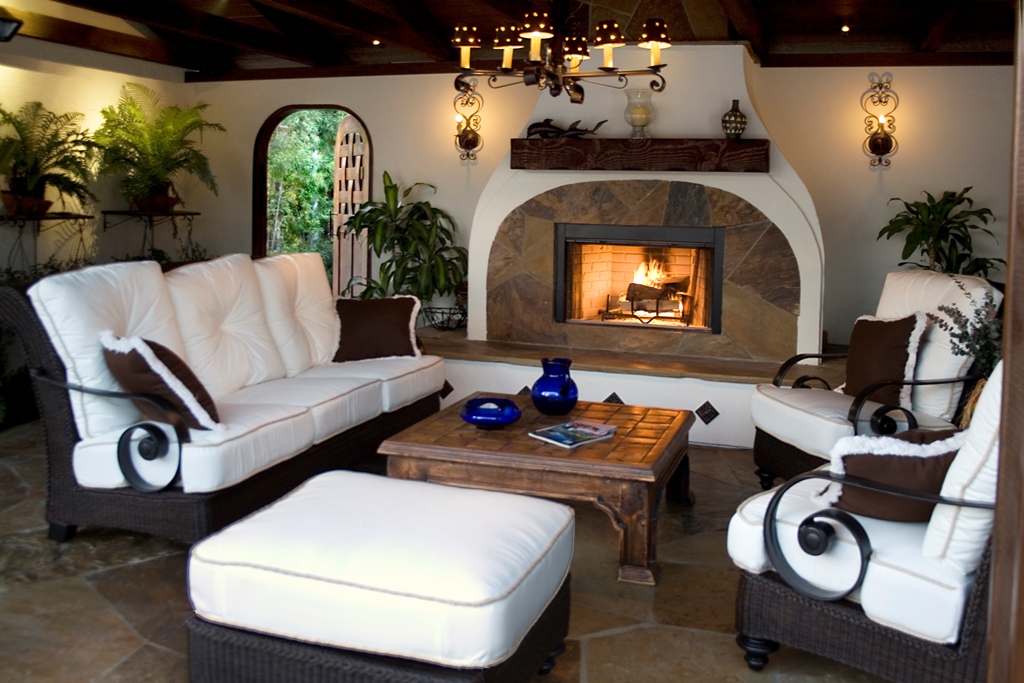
x: 664, y: 277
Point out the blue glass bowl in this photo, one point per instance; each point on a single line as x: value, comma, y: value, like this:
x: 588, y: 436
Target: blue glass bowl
x: 490, y: 413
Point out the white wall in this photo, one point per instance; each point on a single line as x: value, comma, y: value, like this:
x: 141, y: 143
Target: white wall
x: 954, y: 130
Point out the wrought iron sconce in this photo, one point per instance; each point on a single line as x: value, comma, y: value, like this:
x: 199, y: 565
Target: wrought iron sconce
x: 468, y: 104
x: 879, y: 101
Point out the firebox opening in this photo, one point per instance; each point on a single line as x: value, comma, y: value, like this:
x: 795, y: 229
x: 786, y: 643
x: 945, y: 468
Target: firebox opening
x: 664, y: 277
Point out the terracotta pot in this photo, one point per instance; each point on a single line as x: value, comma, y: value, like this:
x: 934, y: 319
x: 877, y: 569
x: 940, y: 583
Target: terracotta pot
x: 25, y: 206
x: 160, y: 203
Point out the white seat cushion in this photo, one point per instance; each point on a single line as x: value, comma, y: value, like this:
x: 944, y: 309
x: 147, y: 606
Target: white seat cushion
x: 404, y: 568
x: 130, y: 299
x: 300, y: 309
x: 405, y: 379
x: 957, y: 535
x: 901, y: 588
x: 336, y: 403
x: 220, y: 314
x: 255, y: 437
x: 909, y: 291
x: 813, y: 420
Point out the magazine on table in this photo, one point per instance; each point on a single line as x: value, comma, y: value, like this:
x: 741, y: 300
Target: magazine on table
x: 575, y: 433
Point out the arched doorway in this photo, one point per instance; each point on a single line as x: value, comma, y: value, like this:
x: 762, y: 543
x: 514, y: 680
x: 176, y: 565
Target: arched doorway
x: 349, y: 188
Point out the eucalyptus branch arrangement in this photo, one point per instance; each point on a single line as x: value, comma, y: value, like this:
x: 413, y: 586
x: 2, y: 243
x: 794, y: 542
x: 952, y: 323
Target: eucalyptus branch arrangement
x: 978, y: 334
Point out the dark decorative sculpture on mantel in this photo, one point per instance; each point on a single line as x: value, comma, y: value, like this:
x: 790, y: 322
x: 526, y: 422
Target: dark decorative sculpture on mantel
x: 547, y: 129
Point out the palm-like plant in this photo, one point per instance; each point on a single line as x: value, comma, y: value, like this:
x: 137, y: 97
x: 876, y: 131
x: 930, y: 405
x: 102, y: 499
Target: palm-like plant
x: 941, y: 236
x: 149, y: 143
x: 43, y: 149
x: 419, y: 238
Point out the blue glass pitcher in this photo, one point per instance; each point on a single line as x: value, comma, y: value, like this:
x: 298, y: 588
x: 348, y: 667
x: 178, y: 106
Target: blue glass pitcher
x: 555, y: 393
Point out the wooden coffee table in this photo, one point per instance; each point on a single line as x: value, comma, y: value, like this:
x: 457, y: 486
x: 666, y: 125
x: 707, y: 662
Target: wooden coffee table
x: 625, y: 476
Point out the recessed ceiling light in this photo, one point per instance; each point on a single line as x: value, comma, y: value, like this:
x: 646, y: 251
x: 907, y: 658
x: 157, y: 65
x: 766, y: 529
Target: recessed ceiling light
x: 845, y: 28
x: 376, y: 42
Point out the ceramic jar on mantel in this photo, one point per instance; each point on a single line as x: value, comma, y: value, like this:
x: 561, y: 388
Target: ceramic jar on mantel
x: 734, y: 122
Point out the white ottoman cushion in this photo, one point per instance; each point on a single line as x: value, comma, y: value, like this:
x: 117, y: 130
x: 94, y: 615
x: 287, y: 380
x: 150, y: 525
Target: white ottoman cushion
x: 441, y: 574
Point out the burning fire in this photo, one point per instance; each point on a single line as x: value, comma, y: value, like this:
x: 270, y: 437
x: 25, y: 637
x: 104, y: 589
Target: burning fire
x: 649, y: 273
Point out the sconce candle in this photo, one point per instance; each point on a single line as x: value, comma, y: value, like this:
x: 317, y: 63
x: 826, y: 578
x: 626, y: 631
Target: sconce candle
x: 879, y: 102
x: 639, y: 112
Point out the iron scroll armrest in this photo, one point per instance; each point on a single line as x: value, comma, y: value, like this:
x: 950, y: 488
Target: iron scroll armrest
x: 780, y: 376
x: 881, y: 422
x: 815, y: 536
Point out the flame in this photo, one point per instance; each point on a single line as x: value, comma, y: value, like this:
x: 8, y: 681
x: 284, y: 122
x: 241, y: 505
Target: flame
x: 649, y: 273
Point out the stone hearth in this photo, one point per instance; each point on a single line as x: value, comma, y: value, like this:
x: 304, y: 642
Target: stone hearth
x: 761, y: 291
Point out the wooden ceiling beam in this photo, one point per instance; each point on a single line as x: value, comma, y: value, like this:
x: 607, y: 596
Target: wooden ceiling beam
x: 55, y: 30
x: 351, y: 18
x: 200, y: 26
x: 938, y: 25
x: 877, y: 59
x: 743, y: 16
x: 512, y: 11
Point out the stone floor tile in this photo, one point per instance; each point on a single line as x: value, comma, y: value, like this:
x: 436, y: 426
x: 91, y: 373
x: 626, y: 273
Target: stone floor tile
x: 21, y: 440
x: 664, y: 654
x: 149, y: 664
x: 28, y: 515
x: 152, y: 596
x: 797, y: 666
x: 60, y: 631
x: 27, y: 558
x: 697, y: 597
x: 13, y: 490
x: 705, y: 549
x: 585, y: 622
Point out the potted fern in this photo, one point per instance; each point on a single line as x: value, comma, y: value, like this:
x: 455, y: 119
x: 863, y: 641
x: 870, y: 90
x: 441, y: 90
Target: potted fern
x: 41, y: 149
x: 942, y: 237
x: 149, y: 144
x: 419, y: 243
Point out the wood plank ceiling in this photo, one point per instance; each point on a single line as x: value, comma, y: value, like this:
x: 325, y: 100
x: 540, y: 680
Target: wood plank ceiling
x: 252, y: 39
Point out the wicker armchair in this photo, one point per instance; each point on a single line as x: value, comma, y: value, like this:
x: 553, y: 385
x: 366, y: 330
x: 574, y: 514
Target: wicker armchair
x: 903, y: 600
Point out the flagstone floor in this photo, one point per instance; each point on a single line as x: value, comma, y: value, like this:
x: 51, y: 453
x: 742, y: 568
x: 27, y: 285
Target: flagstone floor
x: 110, y: 606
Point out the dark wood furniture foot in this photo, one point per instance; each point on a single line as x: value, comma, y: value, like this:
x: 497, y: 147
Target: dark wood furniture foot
x: 757, y: 650
x: 61, y: 533
x: 549, y: 663
x: 767, y: 478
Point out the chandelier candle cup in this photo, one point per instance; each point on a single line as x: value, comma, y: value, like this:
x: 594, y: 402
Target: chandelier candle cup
x: 655, y: 38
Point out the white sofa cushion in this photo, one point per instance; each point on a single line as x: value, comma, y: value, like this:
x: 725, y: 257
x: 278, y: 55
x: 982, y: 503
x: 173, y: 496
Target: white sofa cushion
x: 222, y: 321
x: 405, y: 379
x: 909, y: 291
x: 300, y: 309
x: 813, y: 420
x: 130, y: 299
x: 255, y: 437
x: 403, y: 568
x: 957, y: 535
x: 336, y: 403
x: 901, y: 588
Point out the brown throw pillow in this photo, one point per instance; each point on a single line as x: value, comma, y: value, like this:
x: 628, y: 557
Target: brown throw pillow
x: 916, y: 460
x: 884, y: 349
x: 377, y: 328
x: 142, y: 366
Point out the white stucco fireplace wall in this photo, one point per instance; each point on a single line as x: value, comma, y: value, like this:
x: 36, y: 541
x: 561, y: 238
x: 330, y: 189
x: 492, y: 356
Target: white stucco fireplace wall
x: 702, y: 81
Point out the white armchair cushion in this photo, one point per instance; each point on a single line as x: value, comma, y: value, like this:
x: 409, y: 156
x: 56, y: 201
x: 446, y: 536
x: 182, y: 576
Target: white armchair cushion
x: 300, y: 309
x: 433, y: 573
x: 131, y: 299
x: 221, y: 315
x: 901, y: 588
x: 813, y: 420
x: 957, y: 535
x: 908, y: 291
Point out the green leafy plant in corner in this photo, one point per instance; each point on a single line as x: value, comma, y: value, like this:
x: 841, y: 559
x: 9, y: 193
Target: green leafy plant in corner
x: 40, y: 149
x: 419, y: 241
x: 942, y: 237
x: 149, y: 144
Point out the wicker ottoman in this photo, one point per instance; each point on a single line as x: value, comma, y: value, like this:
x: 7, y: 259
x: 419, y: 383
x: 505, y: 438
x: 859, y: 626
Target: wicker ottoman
x: 355, y: 577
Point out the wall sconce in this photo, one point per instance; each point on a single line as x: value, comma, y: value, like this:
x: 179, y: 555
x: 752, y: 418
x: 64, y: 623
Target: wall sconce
x: 9, y: 25
x: 468, y: 104
x: 879, y: 101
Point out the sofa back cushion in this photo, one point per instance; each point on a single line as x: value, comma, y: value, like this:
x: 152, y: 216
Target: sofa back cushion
x: 956, y: 535
x: 909, y: 291
x: 220, y: 311
x: 300, y: 309
x: 128, y: 298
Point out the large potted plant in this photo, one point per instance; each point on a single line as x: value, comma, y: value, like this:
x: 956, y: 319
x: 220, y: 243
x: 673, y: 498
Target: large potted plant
x: 942, y: 237
x: 149, y: 144
x: 419, y: 243
x: 41, y: 149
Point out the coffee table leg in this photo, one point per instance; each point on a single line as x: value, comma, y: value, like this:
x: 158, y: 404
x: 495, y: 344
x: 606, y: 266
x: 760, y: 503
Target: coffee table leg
x: 678, y: 488
x: 637, y: 545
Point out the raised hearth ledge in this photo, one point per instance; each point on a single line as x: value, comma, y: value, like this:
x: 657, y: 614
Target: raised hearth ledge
x: 453, y: 345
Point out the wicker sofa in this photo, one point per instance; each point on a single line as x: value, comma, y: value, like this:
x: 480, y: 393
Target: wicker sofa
x: 260, y: 336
